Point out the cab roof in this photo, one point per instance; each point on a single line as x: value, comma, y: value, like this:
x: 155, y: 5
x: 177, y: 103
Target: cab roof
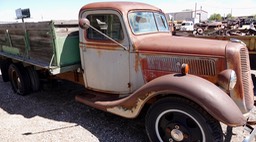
x: 123, y: 7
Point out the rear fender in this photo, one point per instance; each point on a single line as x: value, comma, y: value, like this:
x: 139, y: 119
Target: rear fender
x: 206, y: 94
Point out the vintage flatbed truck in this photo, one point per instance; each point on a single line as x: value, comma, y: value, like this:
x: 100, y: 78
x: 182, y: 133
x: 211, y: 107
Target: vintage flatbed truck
x: 126, y: 57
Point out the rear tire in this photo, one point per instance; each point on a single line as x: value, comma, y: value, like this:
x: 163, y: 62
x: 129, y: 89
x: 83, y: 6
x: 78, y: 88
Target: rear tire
x: 4, y: 70
x: 19, y: 79
x: 178, y: 119
x: 35, y: 82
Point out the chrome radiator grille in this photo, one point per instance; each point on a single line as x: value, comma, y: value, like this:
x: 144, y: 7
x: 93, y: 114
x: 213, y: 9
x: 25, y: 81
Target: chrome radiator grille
x: 246, y: 77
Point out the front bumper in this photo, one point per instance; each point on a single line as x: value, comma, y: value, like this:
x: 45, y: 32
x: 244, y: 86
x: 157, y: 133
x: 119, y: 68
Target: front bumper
x: 248, y: 127
x: 252, y: 132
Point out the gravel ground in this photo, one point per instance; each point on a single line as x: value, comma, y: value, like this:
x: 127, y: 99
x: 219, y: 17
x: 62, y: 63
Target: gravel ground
x: 52, y: 115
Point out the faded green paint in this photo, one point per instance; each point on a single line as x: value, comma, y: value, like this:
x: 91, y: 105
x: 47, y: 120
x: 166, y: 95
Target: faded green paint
x: 11, y: 50
x: 64, y: 49
x: 67, y: 50
x: 9, y: 38
x: 26, y: 40
x: 53, y: 34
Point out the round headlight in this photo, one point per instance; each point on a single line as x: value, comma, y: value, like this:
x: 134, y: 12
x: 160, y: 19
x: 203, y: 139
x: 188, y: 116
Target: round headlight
x: 227, y: 79
x: 232, y: 81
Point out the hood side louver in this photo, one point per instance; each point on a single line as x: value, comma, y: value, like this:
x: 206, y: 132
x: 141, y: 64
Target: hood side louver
x: 198, y: 66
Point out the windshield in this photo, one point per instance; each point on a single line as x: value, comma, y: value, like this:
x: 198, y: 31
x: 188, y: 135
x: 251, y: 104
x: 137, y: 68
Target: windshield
x: 147, y: 22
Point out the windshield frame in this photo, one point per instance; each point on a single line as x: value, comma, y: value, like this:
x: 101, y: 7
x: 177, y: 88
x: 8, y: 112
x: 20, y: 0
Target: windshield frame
x: 156, y: 26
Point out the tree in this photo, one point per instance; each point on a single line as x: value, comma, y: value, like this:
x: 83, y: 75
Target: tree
x: 229, y: 16
x: 215, y: 17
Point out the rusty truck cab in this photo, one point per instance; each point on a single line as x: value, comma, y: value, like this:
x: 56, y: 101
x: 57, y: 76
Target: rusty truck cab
x: 104, y: 61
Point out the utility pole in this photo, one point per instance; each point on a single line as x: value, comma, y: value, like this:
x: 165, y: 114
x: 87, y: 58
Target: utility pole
x: 195, y: 9
x: 200, y: 16
x: 195, y: 13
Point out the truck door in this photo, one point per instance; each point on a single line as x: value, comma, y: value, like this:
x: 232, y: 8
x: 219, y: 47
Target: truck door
x: 105, y: 63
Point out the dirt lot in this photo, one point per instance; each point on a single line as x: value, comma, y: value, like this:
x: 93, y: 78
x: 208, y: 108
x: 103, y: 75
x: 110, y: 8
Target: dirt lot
x: 53, y: 115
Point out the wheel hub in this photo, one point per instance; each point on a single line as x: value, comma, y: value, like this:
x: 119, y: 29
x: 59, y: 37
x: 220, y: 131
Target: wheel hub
x: 177, y: 126
x: 177, y: 134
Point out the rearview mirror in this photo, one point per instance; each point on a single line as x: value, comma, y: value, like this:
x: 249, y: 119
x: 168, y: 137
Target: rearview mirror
x: 84, y: 23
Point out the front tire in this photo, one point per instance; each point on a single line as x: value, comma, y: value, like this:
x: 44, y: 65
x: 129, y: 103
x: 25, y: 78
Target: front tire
x: 178, y: 119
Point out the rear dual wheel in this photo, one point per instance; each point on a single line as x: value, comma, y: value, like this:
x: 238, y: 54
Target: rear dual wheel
x: 33, y: 75
x: 23, y: 80
x: 177, y: 119
x: 19, y: 79
x: 4, y: 66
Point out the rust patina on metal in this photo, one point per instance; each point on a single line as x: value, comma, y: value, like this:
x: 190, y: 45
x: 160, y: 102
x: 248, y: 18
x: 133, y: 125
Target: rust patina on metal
x: 157, y: 58
x: 122, y: 7
x: 174, y: 85
x: 237, y: 59
x: 129, y: 59
x: 163, y: 55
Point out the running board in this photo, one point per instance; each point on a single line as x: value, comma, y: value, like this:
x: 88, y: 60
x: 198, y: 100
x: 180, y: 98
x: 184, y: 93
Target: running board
x: 126, y: 106
x: 99, y: 100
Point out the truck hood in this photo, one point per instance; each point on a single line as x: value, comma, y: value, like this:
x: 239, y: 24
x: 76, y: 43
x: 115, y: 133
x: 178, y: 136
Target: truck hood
x: 182, y: 45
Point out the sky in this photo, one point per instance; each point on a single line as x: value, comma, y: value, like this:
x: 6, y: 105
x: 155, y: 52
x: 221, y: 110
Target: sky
x: 42, y: 10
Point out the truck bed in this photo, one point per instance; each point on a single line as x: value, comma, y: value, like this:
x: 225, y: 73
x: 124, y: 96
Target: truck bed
x: 52, y: 45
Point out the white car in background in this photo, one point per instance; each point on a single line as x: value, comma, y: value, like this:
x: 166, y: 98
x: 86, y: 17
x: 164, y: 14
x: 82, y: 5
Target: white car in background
x: 187, y: 26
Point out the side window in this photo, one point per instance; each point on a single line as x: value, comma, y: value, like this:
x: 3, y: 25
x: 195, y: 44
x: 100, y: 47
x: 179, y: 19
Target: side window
x: 109, y: 24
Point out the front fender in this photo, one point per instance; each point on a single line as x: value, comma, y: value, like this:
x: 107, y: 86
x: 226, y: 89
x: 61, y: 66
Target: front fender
x: 206, y: 94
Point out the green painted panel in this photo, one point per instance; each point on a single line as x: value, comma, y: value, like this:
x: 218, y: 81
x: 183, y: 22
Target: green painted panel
x: 67, y: 50
x: 53, y: 45
x: 11, y: 50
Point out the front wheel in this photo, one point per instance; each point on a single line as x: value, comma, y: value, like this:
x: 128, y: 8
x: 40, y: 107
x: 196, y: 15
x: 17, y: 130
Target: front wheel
x: 177, y: 119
